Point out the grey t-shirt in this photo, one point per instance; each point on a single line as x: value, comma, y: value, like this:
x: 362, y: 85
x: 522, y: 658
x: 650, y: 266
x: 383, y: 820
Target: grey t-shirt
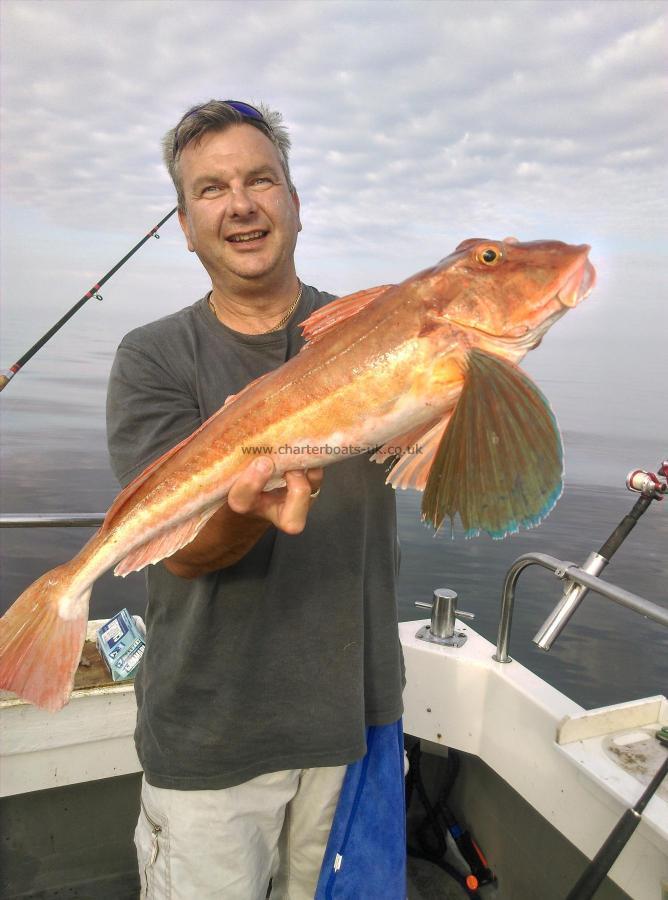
x: 281, y: 660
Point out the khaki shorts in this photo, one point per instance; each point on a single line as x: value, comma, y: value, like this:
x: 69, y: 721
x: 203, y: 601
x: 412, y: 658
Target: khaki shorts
x: 195, y: 845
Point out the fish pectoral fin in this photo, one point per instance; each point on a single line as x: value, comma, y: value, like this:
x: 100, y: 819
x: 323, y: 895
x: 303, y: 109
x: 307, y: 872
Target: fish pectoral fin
x: 322, y: 320
x: 413, y: 466
x: 499, y: 463
x: 165, y: 544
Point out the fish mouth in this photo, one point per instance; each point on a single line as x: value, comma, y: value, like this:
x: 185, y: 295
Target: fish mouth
x: 577, y: 285
x: 579, y: 282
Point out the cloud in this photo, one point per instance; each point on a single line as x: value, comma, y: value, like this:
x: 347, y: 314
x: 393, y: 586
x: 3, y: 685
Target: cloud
x: 413, y: 124
x: 377, y: 94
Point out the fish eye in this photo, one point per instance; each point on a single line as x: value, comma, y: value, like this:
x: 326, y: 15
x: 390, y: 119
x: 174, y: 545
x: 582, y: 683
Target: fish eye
x: 490, y: 256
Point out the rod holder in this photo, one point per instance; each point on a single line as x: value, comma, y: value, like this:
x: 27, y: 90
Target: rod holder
x: 562, y: 613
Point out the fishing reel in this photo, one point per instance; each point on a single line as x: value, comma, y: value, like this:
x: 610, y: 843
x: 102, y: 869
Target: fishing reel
x: 649, y: 484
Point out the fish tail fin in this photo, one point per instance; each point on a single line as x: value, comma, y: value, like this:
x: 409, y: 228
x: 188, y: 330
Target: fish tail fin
x: 41, y: 638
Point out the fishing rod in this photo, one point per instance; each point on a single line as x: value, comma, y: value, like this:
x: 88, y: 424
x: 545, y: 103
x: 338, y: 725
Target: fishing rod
x: 7, y: 374
x: 600, y: 865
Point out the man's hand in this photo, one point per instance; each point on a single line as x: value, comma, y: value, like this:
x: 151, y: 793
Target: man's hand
x: 249, y: 511
x: 287, y: 507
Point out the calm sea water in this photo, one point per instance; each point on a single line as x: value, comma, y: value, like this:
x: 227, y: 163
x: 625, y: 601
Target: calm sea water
x: 53, y: 460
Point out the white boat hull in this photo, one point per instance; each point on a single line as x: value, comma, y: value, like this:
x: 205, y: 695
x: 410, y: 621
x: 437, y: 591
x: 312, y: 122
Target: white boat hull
x: 544, y: 746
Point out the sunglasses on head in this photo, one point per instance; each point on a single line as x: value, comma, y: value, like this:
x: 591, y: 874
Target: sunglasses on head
x: 245, y: 109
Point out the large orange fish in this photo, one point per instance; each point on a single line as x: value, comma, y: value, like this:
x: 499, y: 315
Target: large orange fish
x: 427, y: 366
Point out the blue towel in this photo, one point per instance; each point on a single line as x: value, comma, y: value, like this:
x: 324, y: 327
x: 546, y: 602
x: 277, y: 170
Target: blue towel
x: 365, y: 857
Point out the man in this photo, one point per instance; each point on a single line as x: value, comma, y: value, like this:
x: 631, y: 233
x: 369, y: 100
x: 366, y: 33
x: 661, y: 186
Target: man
x: 271, y: 638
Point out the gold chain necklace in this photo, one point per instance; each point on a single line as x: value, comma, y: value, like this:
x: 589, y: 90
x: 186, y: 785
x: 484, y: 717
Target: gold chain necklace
x: 292, y: 308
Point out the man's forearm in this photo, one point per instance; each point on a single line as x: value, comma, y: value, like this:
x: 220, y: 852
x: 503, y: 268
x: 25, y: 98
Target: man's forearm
x: 224, y: 540
x: 240, y: 523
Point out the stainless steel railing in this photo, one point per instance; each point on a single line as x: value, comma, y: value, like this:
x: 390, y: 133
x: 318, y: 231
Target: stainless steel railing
x: 573, y: 574
x: 41, y: 520
x: 652, y: 487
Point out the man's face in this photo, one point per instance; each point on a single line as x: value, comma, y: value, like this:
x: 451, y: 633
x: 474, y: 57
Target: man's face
x: 240, y: 217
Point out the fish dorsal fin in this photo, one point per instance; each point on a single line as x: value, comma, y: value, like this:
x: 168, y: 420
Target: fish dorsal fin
x: 338, y: 311
x: 165, y: 544
x: 499, y: 463
x: 412, y: 469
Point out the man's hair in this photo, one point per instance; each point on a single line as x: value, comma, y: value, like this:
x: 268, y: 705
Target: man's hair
x: 216, y: 115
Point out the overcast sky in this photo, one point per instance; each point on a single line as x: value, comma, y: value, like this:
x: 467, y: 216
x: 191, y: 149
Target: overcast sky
x: 414, y: 125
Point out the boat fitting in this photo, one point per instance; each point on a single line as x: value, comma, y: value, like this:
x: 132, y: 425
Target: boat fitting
x: 441, y: 630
